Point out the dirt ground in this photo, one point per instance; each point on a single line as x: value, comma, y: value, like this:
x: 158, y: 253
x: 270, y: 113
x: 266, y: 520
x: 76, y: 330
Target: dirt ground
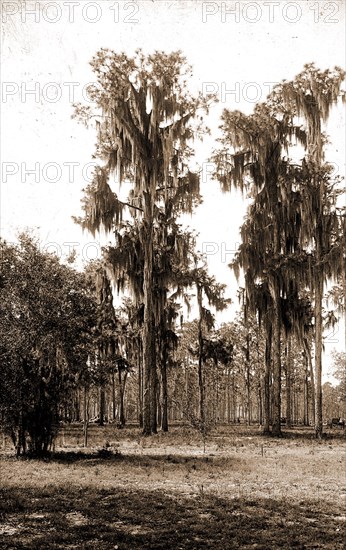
x: 128, y: 492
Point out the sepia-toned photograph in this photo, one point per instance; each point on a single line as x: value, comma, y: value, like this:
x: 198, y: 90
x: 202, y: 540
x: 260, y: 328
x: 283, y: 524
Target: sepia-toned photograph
x: 173, y: 275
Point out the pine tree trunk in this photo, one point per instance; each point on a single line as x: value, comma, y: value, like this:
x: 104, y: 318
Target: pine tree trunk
x: 318, y: 355
x: 149, y: 392
x: 200, y: 360
x: 102, y: 404
x: 248, y: 389
x: 154, y: 390
x: 266, y: 397
x: 164, y: 395
x: 114, y: 402
x: 228, y: 395
x: 121, y: 400
x: 276, y: 425
x: 77, y: 406
x: 140, y: 385
x: 288, y: 381
x: 85, y: 416
x: 275, y: 291
x: 188, y: 404
x: 306, y: 398
x: 307, y: 351
x: 260, y: 404
x: 234, y: 400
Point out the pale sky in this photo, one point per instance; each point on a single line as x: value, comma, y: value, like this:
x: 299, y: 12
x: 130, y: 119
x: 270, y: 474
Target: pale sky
x: 237, y: 49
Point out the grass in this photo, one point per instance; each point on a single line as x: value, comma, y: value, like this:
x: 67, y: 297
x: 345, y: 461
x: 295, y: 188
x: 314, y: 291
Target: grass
x: 246, y: 491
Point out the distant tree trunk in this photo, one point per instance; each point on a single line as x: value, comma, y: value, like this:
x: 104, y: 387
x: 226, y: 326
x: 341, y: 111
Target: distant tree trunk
x: 306, y: 389
x: 200, y: 360
x: 77, y: 406
x: 267, y: 400
x: 318, y: 354
x: 154, y: 390
x: 248, y: 388
x: 217, y: 397
x: 20, y: 440
x: 260, y: 404
x: 224, y: 413
x: 140, y: 385
x: 288, y: 380
x: 234, y: 399
x: 296, y: 402
x: 85, y: 416
x: 312, y: 377
x: 114, y: 400
x: 201, y: 390
x: 102, y: 404
x: 229, y: 394
x: 159, y: 405
x: 122, y: 382
x: 187, y: 400
x: 276, y: 425
x: 306, y: 397
x: 164, y: 393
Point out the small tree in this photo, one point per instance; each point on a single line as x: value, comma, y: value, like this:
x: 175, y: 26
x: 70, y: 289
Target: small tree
x: 46, y: 317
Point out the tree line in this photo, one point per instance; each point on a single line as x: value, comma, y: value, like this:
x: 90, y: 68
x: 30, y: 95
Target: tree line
x: 292, y: 249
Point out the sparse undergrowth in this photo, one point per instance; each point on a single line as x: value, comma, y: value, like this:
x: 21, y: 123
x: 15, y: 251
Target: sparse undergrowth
x: 165, y: 492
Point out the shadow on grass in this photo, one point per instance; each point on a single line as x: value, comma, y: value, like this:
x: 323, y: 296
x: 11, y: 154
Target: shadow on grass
x: 107, y: 457
x: 296, y: 432
x: 309, y: 435
x: 139, y: 520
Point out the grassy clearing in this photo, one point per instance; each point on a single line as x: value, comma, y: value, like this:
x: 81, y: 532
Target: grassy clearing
x: 245, y: 492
